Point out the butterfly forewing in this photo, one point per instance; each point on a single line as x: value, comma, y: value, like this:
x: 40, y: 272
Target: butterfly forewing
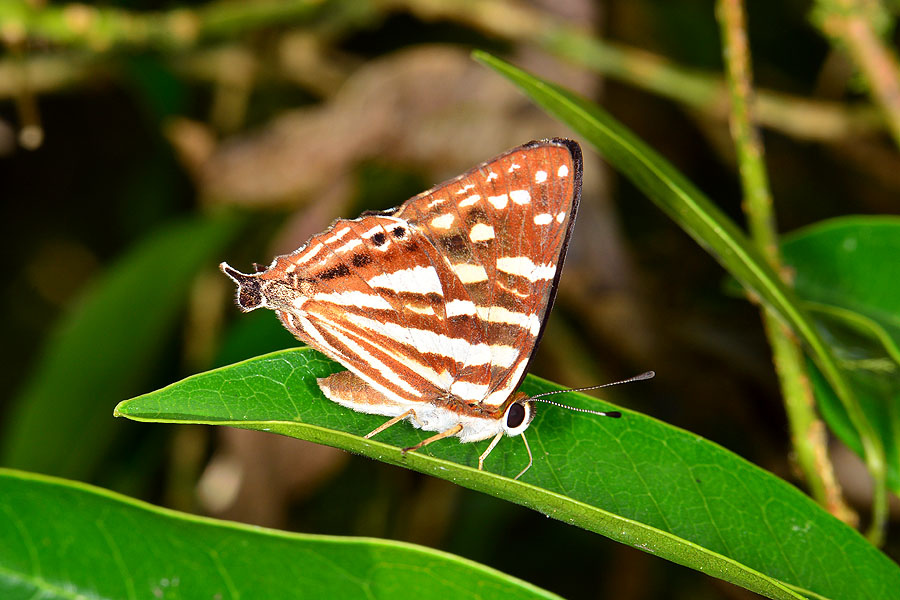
x: 503, y: 229
x: 446, y: 297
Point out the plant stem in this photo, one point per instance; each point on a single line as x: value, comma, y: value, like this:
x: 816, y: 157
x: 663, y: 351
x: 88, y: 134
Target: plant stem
x: 852, y: 25
x: 807, y: 431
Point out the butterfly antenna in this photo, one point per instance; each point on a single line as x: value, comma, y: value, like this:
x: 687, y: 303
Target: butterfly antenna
x: 614, y: 414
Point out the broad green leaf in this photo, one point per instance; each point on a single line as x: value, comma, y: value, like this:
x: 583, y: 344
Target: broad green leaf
x: 713, y: 230
x: 70, y: 540
x: 846, y: 270
x: 105, y: 348
x: 635, y: 480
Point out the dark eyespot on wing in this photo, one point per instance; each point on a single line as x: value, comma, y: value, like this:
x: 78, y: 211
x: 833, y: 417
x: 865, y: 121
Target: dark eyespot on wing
x: 361, y: 260
x: 454, y: 244
x: 398, y: 232
x: 379, y: 239
x: 476, y: 215
x: 334, y: 272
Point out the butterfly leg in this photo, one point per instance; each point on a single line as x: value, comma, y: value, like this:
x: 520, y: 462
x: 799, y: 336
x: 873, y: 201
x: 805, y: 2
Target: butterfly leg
x: 448, y: 433
x: 530, y: 458
x: 494, y: 443
x: 394, y: 421
x: 488, y: 451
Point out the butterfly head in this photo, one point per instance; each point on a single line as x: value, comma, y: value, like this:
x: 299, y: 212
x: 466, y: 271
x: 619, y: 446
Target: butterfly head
x: 251, y: 289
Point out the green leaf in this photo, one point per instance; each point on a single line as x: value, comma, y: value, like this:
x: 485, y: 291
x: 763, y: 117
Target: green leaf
x: 70, y: 540
x: 105, y: 348
x: 714, y: 231
x: 848, y: 269
x: 635, y: 480
x: 846, y: 272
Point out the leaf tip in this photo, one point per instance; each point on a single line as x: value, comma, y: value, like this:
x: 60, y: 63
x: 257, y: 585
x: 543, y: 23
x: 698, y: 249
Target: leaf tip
x: 120, y: 409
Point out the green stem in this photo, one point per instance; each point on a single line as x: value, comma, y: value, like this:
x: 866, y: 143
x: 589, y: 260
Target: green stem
x: 854, y: 25
x: 807, y: 431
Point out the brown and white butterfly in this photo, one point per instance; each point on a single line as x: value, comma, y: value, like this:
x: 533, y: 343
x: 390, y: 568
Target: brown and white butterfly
x: 436, y: 307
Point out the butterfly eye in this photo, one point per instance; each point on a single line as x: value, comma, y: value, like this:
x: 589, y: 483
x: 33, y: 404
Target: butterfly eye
x: 518, y: 417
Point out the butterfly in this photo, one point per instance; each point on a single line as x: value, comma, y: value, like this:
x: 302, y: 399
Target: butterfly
x: 436, y: 307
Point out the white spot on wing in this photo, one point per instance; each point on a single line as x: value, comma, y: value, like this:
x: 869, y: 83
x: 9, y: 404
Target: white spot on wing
x: 499, y: 202
x: 521, y: 266
x: 520, y: 196
x: 499, y: 314
x: 444, y: 221
x: 563, y: 171
x: 465, y: 188
x: 469, y: 201
x: 417, y: 280
x: 560, y: 217
x: 353, y: 298
x: 454, y: 308
x: 470, y: 273
x: 543, y: 219
x: 503, y: 355
x: 540, y: 176
x: 306, y: 256
x: 349, y: 246
x: 492, y: 176
x: 481, y: 232
x: 468, y: 391
x: 513, y: 167
x: 337, y: 235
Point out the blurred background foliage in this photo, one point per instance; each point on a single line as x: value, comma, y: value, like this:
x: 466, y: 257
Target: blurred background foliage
x: 143, y: 143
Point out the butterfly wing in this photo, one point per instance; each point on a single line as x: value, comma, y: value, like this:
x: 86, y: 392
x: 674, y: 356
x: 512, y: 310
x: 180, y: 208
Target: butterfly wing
x: 503, y: 229
x: 445, y: 297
